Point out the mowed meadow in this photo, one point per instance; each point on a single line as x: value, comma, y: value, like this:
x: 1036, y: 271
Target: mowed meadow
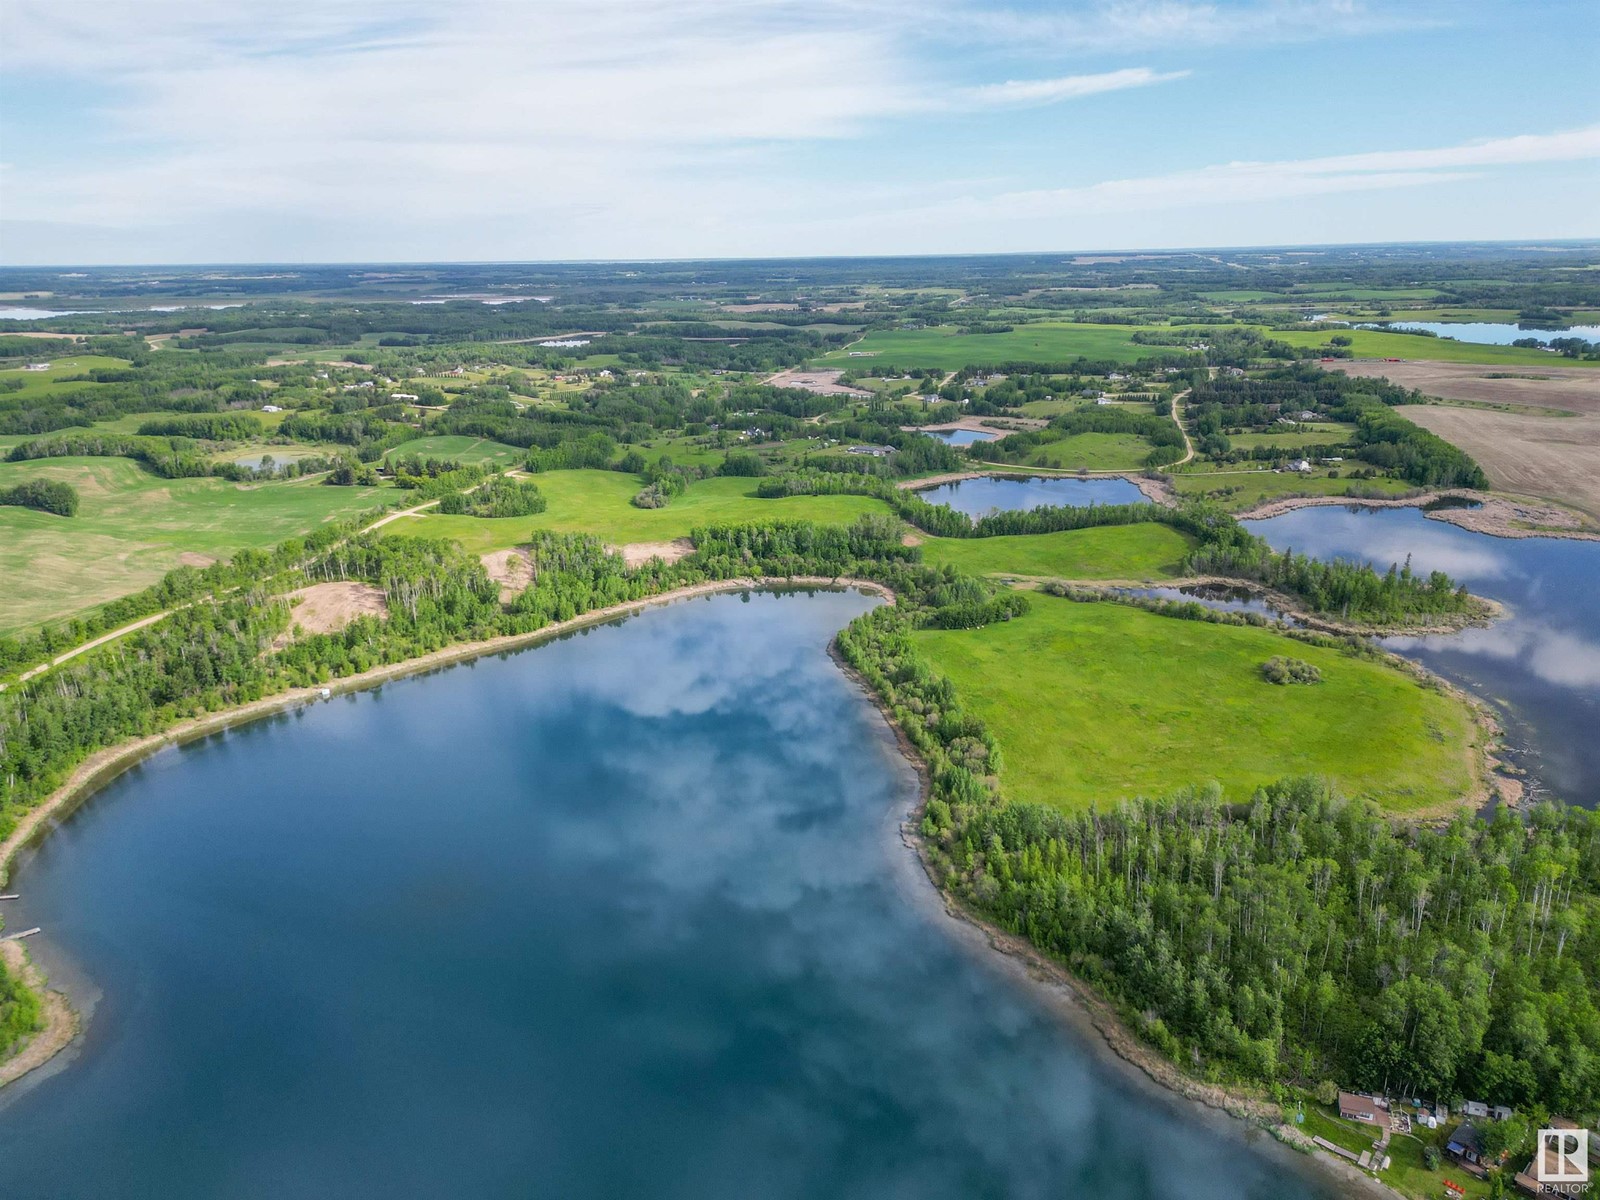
x: 132, y: 527
x: 1097, y: 702
x: 601, y: 503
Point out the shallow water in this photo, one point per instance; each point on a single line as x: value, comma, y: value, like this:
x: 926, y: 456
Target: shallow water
x: 975, y: 497
x: 1494, y: 333
x: 622, y: 915
x: 1540, y: 663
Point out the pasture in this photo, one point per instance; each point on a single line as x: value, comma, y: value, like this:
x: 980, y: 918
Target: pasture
x: 1127, y: 552
x: 1094, y: 703
x: 600, y: 502
x: 946, y: 348
x: 1372, y: 343
x: 133, y: 527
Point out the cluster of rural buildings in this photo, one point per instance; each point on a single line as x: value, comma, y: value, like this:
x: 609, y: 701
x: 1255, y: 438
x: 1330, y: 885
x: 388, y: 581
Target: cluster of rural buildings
x: 1464, y: 1144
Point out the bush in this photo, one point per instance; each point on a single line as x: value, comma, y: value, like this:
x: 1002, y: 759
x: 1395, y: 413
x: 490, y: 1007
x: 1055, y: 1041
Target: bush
x: 1281, y: 670
x: 46, y: 495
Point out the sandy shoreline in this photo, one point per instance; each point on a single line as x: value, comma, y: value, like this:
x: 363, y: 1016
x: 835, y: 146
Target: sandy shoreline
x: 60, y: 1020
x: 105, y: 765
x: 1084, y: 1010
x: 1495, y: 516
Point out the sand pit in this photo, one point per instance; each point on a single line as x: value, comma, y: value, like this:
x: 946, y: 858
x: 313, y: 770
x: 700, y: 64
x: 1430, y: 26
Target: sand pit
x: 1573, y: 389
x: 636, y: 554
x: 328, y: 607
x: 511, y: 569
x: 823, y: 383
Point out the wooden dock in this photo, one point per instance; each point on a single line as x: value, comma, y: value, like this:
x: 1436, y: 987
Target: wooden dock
x: 17, y: 937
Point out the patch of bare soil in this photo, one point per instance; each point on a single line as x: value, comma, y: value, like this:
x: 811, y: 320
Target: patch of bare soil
x: 329, y: 607
x: 511, y: 569
x: 823, y: 383
x: 1573, y: 389
x: 1557, y: 458
x: 636, y: 554
x: 191, y: 559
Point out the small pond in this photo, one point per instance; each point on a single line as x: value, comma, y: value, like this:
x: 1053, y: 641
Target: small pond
x: 975, y: 497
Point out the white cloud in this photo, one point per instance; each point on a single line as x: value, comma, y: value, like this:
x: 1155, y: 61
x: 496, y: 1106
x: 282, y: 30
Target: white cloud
x: 1249, y: 182
x: 1019, y: 92
x: 1141, y: 24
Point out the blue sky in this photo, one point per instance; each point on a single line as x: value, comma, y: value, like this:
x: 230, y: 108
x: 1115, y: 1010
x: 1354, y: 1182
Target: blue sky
x: 348, y: 130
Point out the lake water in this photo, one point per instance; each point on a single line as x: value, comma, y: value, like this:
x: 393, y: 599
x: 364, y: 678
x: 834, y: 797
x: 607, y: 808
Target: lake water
x: 975, y: 497
x: 961, y: 437
x: 1221, y: 597
x: 36, y: 314
x: 620, y: 916
x: 1540, y: 664
x: 1493, y: 333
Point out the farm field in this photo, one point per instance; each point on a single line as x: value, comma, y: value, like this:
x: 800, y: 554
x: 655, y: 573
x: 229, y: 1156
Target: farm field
x: 1371, y: 343
x: 1093, y: 703
x: 133, y: 527
x: 1331, y: 434
x: 943, y: 347
x: 1092, y: 452
x: 463, y: 449
x: 1146, y: 551
x: 1573, y: 389
x: 1551, y: 456
x: 599, y: 502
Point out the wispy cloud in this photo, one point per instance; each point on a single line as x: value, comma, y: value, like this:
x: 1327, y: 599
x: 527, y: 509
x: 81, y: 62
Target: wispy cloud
x: 1016, y: 93
x: 1145, y: 24
x: 1252, y: 182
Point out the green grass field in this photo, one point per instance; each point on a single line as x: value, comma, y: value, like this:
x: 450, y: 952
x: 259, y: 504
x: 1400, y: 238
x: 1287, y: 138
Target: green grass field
x: 599, y: 502
x: 1097, y: 702
x: 133, y: 527
x: 1329, y: 434
x: 43, y: 383
x: 1141, y: 552
x: 1092, y: 452
x: 1371, y: 343
x: 1239, y: 490
x: 461, y: 448
x: 943, y: 347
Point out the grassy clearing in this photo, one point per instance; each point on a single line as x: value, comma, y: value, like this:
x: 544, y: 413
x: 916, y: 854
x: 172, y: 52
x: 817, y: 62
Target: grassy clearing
x: 1043, y: 342
x: 133, y: 527
x: 461, y: 448
x: 599, y: 502
x: 1239, y: 490
x: 1110, y: 552
x: 1093, y: 452
x: 1328, y: 434
x: 1097, y: 702
x: 1371, y: 343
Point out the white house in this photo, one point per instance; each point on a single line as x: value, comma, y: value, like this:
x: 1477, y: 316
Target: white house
x: 272, y: 408
x: 1300, y: 465
x: 37, y: 367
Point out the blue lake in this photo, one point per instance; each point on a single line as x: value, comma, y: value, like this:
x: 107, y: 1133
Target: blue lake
x: 975, y: 497
x: 624, y: 915
x: 961, y: 437
x: 1540, y: 663
x: 1493, y: 333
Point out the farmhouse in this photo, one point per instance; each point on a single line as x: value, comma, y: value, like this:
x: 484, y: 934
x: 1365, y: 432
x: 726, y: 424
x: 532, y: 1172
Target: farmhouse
x: 272, y: 408
x: 874, y: 451
x: 37, y: 367
x: 1300, y: 465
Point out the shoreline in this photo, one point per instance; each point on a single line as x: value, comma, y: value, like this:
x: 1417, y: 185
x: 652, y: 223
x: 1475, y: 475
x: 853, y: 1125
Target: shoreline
x: 99, y: 769
x: 1080, y: 1007
x: 1492, y: 517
